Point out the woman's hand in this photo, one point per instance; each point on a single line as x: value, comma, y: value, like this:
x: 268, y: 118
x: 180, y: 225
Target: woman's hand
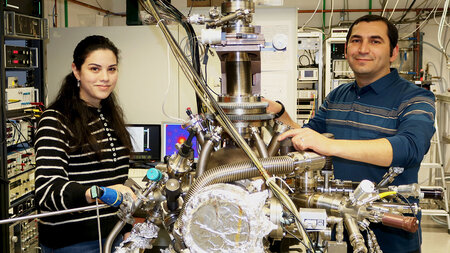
x: 118, y: 187
x: 123, y: 189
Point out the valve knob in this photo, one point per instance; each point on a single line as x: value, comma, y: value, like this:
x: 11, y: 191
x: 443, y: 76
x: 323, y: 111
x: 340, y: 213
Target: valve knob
x: 154, y: 175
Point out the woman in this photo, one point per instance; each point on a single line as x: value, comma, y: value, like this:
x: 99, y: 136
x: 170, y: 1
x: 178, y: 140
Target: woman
x: 81, y: 141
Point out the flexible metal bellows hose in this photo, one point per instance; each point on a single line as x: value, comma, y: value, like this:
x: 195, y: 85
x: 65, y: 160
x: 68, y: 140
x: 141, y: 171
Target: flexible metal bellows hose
x: 238, y: 171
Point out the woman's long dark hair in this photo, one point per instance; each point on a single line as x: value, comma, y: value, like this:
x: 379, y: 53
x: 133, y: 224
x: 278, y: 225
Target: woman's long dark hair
x: 77, y: 113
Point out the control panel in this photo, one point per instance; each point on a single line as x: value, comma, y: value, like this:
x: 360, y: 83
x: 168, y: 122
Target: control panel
x: 21, y: 57
x: 23, y: 236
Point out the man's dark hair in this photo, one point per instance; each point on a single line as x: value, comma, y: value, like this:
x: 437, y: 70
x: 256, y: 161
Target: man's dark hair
x: 392, y: 30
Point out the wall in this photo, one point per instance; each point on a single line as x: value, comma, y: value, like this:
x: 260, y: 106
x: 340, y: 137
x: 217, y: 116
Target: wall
x: 81, y: 16
x: 145, y: 69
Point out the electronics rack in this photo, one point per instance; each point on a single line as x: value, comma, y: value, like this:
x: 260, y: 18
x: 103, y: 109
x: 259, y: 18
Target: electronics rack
x: 22, y: 33
x: 337, y: 70
x: 309, y: 79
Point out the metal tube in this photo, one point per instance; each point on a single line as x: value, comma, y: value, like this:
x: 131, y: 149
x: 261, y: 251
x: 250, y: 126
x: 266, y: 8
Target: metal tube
x: 42, y: 215
x: 356, y: 238
x: 203, y: 159
x: 274, y: 145
x: 260, y: 145
x: 112, y: 235
x: 200, y: 137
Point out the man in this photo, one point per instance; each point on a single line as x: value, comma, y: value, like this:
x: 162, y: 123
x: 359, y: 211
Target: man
x: 380, y: 120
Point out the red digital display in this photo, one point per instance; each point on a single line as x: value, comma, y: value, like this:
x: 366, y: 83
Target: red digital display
x: 15, y: 61
x: 15, y: 51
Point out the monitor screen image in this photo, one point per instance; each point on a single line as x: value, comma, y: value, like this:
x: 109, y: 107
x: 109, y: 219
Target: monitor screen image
x: 146, y: 141
x: 173, y: 133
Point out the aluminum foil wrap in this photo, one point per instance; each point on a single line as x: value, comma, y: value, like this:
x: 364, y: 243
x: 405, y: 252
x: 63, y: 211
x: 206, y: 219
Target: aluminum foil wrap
x: 226, y: 218
x: 142, y: 237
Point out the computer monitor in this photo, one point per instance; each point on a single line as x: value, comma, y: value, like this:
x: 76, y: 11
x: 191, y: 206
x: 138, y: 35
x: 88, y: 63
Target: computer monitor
x: 173, y: 133
x: 146, y: 141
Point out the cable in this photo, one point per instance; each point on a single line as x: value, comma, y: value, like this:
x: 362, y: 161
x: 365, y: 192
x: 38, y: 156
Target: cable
x: 166, y: 93
x: 410, y: 206
x: 317, y: 7
x: 433, y: 46
x: 441, y: 26
x: 393, y: 10
x: 300, y: 240
x: 385, y: 194
x: 205, y: 62
x: 98, y: 226
x: 442, y: 80
x: 331, y: 17
x: 409, y: 8
x: 421, y: 24
x: 384, y: 9
x: 438, y: 221
x: 14, y: 123
x: 300, y: 60
x: 434, y: 16
x: 190, y: 9
x: 311, y: 56
x: 314, y: 29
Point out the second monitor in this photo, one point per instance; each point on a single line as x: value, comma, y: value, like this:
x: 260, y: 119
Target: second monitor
x: 173, y: 133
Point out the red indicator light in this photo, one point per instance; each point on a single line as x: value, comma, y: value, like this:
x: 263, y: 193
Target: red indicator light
x: 15, y: 51
x: 16, y: 61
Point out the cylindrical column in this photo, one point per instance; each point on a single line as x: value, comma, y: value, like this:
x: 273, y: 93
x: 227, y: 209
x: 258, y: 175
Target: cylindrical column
x: 238, y: 74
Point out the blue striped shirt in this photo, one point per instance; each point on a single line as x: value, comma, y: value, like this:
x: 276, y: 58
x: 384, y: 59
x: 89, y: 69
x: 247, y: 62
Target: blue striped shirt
x: 391, y: 108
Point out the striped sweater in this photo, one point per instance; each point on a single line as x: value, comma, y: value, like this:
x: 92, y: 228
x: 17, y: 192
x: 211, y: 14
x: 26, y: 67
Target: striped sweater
x: 63, y: 174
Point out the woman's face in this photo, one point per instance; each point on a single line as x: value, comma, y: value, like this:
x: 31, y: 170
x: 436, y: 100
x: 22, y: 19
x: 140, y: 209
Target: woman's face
x: 98, y: 76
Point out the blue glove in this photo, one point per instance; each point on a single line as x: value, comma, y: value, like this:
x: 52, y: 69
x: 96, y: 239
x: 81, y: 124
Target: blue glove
x: 107, y: 195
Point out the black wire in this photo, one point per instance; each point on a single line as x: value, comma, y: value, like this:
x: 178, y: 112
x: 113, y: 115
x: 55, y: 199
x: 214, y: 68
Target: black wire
x: 190, y: 9
x: 311, y: 56
x: 98, y: 4
x: 410, y: 206
x: 211, y: 89
x: 205, y: 62
x: 53, y: 15
x: 409, y: 8
x: 20, y: 133
x: 299, y: 221
x: 298, y: 239
x: 407, y: 201
x: 317, y: 247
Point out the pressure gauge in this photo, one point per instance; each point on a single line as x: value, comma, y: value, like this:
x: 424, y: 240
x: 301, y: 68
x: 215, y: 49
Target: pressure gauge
x: 279, y: 41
